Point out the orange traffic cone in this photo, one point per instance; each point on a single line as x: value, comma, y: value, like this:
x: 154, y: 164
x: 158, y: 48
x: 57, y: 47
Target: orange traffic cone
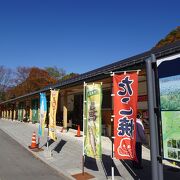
x: 33, y: 142
x: 78, y: 131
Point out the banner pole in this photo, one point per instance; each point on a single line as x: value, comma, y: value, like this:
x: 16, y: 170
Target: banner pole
x: 84, y: 104
x: 39, y: 130
x: 112, y: 139
x: 122, y: 72
x: 152, y: 119
x: 48, y: 126
x: 48, y: 121
x: 48, y: 137
x: 112, y: 132
x: 38, y: 141
x: 83, y: 164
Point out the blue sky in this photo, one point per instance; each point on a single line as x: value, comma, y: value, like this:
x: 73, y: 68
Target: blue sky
x: 81, y: 35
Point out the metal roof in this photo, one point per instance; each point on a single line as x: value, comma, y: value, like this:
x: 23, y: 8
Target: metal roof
x: 101, y: 72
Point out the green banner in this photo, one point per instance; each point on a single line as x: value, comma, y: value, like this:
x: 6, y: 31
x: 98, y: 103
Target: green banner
x: 92, y: 126
x: 35, y: 110
x: 20, y: 111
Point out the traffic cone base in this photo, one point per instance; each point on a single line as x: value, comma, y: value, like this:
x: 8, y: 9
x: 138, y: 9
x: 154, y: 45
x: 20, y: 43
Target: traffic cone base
x: 33, y: 142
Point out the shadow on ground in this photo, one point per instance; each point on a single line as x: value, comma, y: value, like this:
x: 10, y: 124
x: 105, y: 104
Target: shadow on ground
x: 49, y: 142
x: 59, y: 146
x: 145, y: 173
x: 107, y: 163
x: 90, y: 163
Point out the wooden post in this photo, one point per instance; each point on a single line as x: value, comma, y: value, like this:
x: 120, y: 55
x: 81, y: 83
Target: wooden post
x: 65, y: 111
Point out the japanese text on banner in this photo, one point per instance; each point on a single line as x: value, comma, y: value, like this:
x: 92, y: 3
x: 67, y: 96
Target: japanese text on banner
x: 92, y: 141
x: 125, y: 88
x: 52, y: 114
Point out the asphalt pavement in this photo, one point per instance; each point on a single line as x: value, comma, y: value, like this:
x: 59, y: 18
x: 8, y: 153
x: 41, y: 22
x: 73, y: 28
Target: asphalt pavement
x: 65, y: 155
x: 18, y: 163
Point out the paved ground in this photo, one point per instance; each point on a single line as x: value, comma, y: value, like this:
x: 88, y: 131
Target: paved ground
x: 67, y: 155
x: 17, y: 163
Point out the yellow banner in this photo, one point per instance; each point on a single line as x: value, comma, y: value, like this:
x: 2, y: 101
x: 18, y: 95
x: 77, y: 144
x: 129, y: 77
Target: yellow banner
x: 52, y: 114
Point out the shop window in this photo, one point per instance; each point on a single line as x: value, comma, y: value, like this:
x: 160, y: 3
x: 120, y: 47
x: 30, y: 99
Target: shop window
x: 107, y: 99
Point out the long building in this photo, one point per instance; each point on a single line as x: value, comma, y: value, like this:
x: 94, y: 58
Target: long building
x: 70, y: 102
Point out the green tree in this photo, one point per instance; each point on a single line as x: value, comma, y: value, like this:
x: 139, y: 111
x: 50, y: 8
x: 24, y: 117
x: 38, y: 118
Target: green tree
x: 70, y: 75
x: 55, y: 72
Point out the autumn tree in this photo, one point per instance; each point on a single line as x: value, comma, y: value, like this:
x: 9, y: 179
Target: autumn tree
x: 28, y: 80
x: 173, y: 36
x: 39, y: 78
x: 36, y: 80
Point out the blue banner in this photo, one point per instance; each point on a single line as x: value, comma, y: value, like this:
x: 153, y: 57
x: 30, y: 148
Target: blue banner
x: 43, y: 111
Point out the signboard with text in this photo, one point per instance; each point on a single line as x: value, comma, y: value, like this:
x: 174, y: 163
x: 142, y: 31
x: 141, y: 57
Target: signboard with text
x: 169, y: 81
x: 125, y: 90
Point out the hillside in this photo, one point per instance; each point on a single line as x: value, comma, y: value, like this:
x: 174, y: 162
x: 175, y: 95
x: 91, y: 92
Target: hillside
x: 173, y: 36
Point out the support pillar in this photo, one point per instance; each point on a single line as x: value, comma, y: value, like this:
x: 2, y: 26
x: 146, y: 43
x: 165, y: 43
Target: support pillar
x: 14, y: 114
x: 7, y: 114
x: 65, y: 110
x: 157, y: 166
x: 2, y: 114
x: 30, y: 111
x: 10, y: 114
x: 16, y: 111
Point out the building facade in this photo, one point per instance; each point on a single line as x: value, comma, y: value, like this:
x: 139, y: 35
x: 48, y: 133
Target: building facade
x: 70, y: 102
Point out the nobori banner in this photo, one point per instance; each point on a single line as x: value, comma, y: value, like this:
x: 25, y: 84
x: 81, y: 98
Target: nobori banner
x: 43, y: 111
x: 92, y: 127
x: 125, y: 90
x: 52, y: 114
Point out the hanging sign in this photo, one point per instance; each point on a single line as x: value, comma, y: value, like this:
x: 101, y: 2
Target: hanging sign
x: 169, y: 82
x: 125, y: 90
